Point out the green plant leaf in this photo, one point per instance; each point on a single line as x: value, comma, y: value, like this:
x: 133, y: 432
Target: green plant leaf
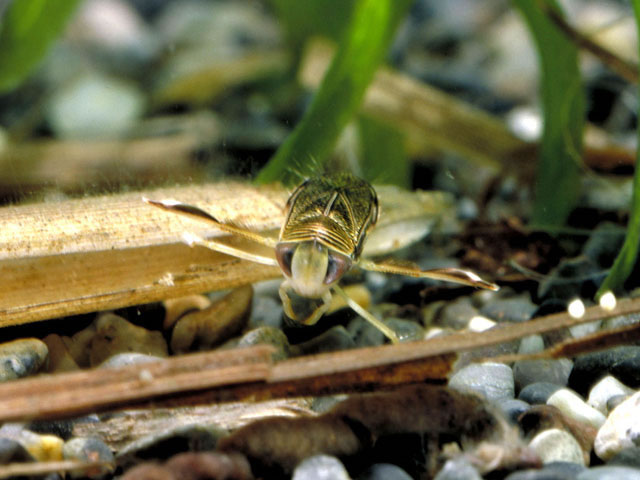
x: 557, y: 183
x: 626, y: 259
x: 384, y: 157
x: 301, y: 20
x: 363, y: 47
x: 27, y: 30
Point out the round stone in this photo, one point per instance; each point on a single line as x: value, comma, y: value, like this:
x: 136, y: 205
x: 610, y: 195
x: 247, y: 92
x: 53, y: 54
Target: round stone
x: 557, y: 445
x: 116, y: 335
x: 526, y: 372
x: 21, y: 358
x: 607, y: 472
x: 492, y: 381
x: 621, y: 429
x: 538, y: 393
x: 629, y: 457
x: 458, y: 469
x: 268, y: 336
x: 512, y: 408
x: 606, y: 388
x: 621, y: 362
x: 320, y: 467
x: 571, y: 405
x: 89, y: 449
x: 384, y: 471
x: 516, y: 310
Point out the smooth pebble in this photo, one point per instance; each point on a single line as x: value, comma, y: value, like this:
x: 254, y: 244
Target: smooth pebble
x: 458, y: 468
x: 555, y: 445
x: 493, y: 381
x: 116, y: 335
x: 20, y: 358
x: 538, y: 393
x: 320, y: 467
x: 607, y: 472
x: 571, y: 405
x: 621, y: 429
x: 384, y: 471
x: 606, y: 388
x: 89, y: 449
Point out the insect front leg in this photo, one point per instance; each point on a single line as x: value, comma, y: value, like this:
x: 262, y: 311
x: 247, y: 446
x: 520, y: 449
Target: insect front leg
x: 303, y: 309
x: 369, y: 317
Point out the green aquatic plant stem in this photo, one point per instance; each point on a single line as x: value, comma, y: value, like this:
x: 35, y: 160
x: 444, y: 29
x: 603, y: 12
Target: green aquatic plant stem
x: 557, y: 185
x: 362, y: 49
x: 626, y: 259
x: 26, y: 31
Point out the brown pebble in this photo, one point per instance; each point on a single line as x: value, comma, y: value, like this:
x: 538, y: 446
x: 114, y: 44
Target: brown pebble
x: 209, y: 465
x: 176, y: 308
x: 215, y: 324
x: 148, y: 471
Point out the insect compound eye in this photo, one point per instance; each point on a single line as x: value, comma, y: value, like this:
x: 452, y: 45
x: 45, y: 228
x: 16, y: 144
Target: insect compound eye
x: 284, y: 255
x: 337, y: 266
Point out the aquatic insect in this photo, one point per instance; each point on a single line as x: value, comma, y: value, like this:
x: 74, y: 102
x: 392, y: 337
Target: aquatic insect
x: 324, y: 232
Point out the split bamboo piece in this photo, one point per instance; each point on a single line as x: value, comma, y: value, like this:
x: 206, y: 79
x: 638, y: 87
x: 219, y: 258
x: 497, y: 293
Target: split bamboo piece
x: 84, y: 255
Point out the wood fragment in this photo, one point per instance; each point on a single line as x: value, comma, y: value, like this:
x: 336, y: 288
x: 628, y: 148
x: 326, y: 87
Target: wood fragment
x: 13, y: 470
x: 85, y: 255
x: 246, y: 374
x: 435, y: 119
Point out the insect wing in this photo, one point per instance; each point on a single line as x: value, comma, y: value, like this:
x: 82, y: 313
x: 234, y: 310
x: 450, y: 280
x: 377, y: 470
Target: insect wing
x: 334, y: 210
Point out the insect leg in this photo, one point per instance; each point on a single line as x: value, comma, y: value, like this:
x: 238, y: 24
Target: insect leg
x: 455, y: 275
x: 390, y: 334
x: 197, y: 213
x: 191, y: 240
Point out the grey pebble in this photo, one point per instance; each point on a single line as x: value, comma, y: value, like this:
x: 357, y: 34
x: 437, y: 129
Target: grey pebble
x: 458, y: 468
x: 512, y: 408
x: 335, y: 339
x: 629, y: 457
x: 610, y: 473
x: 268, y: 336
x: 526, y: 372
x: 21, y: 358
x: 89, y: 449
x: 406, y: 330
x: 364, y: 334
x: 320, y: 467
x: 265, y: 312
x: 124, y: 359
x: 456, y: 314
x: 538, y: 393
x: 516, y: 309
x: 550, y: 471
x: 94, y: 106
x: 614, y: 401
x: 384, y: 471
x: 12, y: 451
x: 493, y: 381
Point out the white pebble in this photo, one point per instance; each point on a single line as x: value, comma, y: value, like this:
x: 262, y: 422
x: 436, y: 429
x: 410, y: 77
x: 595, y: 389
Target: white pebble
x: 555, y: 445
x: 606, y: 388
x: 570, y: 404
x: 621, y: 430
x: 480, y: 324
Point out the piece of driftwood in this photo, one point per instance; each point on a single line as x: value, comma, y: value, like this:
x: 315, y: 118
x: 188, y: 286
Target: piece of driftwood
x: 20, y: 470
x: 68, y: 257
x: 434, y: 119
x: 246, y: 373
x: 76, y: 256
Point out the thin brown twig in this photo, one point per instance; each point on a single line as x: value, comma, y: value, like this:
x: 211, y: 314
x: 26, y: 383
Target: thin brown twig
x: 247, y: 373
x: 624, y: 68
